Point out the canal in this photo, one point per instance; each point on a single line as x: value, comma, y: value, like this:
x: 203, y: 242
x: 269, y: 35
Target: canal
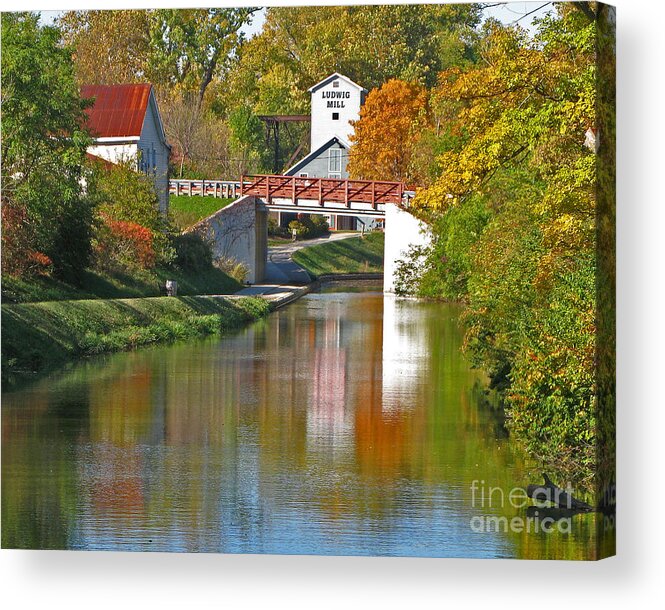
x: 347, y: 423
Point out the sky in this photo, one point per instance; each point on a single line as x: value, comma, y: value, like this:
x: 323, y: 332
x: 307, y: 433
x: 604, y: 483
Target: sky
x: 522, y: 12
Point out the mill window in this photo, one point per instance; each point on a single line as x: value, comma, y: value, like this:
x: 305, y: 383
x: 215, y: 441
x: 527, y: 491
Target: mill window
x: 335, y: 161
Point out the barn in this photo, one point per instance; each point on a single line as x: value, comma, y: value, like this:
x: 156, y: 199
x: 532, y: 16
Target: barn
x: 126, y: 125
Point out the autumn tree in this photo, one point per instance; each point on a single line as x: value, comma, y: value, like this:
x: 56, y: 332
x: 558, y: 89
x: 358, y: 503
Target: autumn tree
x: 514, y: 216
x: 369, y: 44
x: 110, y: 46
x: 390, y: 123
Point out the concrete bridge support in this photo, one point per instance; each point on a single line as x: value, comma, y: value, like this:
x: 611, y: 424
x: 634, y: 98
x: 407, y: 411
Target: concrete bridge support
x: 403, y: 230
x: 240, y: 232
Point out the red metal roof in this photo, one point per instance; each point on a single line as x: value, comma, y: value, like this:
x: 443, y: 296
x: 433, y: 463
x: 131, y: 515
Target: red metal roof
x: 118, y: 111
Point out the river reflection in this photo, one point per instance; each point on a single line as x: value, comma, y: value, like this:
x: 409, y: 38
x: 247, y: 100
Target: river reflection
x: 346, y: 423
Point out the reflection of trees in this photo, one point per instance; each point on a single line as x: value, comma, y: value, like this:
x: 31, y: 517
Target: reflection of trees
x: 39, y: 485
x: 292, y: 423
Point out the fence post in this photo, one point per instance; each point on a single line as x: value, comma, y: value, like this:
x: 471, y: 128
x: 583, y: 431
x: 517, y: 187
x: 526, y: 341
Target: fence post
x: 242, y: 184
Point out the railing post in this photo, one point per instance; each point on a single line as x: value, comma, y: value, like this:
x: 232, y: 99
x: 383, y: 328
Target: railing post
x: 374, y: 204
x: 267, y: 189
x: 320, y: 192
x: 346, y: 193
x: 293, y: 190
x: 242, y: 184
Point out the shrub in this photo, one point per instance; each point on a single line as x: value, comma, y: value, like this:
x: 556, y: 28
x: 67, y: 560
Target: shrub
x: 274, y: 230
x: 319, y: 225
x: 309, y: 226
x: 237, y: 270
x: 123, y: 245
x: 123, y: 194
x: 193, y: 253
x: 300, y: 228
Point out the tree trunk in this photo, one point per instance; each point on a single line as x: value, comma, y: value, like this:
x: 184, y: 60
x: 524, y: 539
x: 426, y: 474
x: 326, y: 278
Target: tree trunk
x: 550, y: 492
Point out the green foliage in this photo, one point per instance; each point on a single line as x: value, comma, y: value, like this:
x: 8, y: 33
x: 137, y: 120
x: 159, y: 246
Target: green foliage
x: 552, y: 395
x: 274, y: 230
x: 308, y: 227
x: 370, y: 44
x: 43, y: 145
x: 124, y: 195
x: 193, y: 253
x: 248, y: 140
x: 39, y: 336
x: 189, y: 47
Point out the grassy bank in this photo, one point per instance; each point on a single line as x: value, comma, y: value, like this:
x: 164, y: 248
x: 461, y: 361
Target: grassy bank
x: 186, y: 210
x: 40, y: 336
x: 97, y: 285
x: 354, y: 255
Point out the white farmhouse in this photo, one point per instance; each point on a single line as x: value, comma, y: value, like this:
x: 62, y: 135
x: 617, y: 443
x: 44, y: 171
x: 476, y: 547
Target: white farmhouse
x: 127, y: 126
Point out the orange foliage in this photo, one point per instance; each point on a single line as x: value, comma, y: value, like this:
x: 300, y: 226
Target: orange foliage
x: 391, y: 121
x: 125, y: 243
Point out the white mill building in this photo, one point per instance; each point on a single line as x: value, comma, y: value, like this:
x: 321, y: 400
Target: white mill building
x: 336, y: 101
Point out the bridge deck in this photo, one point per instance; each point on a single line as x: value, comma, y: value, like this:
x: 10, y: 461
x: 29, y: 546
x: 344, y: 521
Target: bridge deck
x: 298, y: 194
x: 322, y: 190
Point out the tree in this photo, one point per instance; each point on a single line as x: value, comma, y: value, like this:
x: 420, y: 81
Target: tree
x: 514, y: 215
x: 190, y: 47
x: 110, y: 46
x: 390, y: 122
x: 201, y: 140
x: 43, y: 143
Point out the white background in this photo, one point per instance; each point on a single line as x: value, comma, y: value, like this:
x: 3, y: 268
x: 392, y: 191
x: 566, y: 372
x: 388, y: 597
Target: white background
x: 634, y: 579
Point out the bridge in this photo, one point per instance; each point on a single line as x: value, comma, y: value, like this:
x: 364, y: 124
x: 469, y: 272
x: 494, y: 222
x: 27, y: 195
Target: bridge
x: 305, y: 195
x: 239, y: 230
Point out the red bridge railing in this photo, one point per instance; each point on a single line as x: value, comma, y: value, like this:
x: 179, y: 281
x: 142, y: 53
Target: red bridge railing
x: 322, y: 189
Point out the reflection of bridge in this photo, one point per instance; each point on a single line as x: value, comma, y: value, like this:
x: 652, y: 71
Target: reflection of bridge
x: 306, y: 195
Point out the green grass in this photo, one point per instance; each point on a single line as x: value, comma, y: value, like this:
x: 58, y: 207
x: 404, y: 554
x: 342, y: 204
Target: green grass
x: 187, y: 211
x: 41, y: 336
x: 354, y: 255
x: 103, y: 286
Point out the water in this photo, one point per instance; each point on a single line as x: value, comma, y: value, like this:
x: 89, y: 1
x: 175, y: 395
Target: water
x: 346, y: 423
